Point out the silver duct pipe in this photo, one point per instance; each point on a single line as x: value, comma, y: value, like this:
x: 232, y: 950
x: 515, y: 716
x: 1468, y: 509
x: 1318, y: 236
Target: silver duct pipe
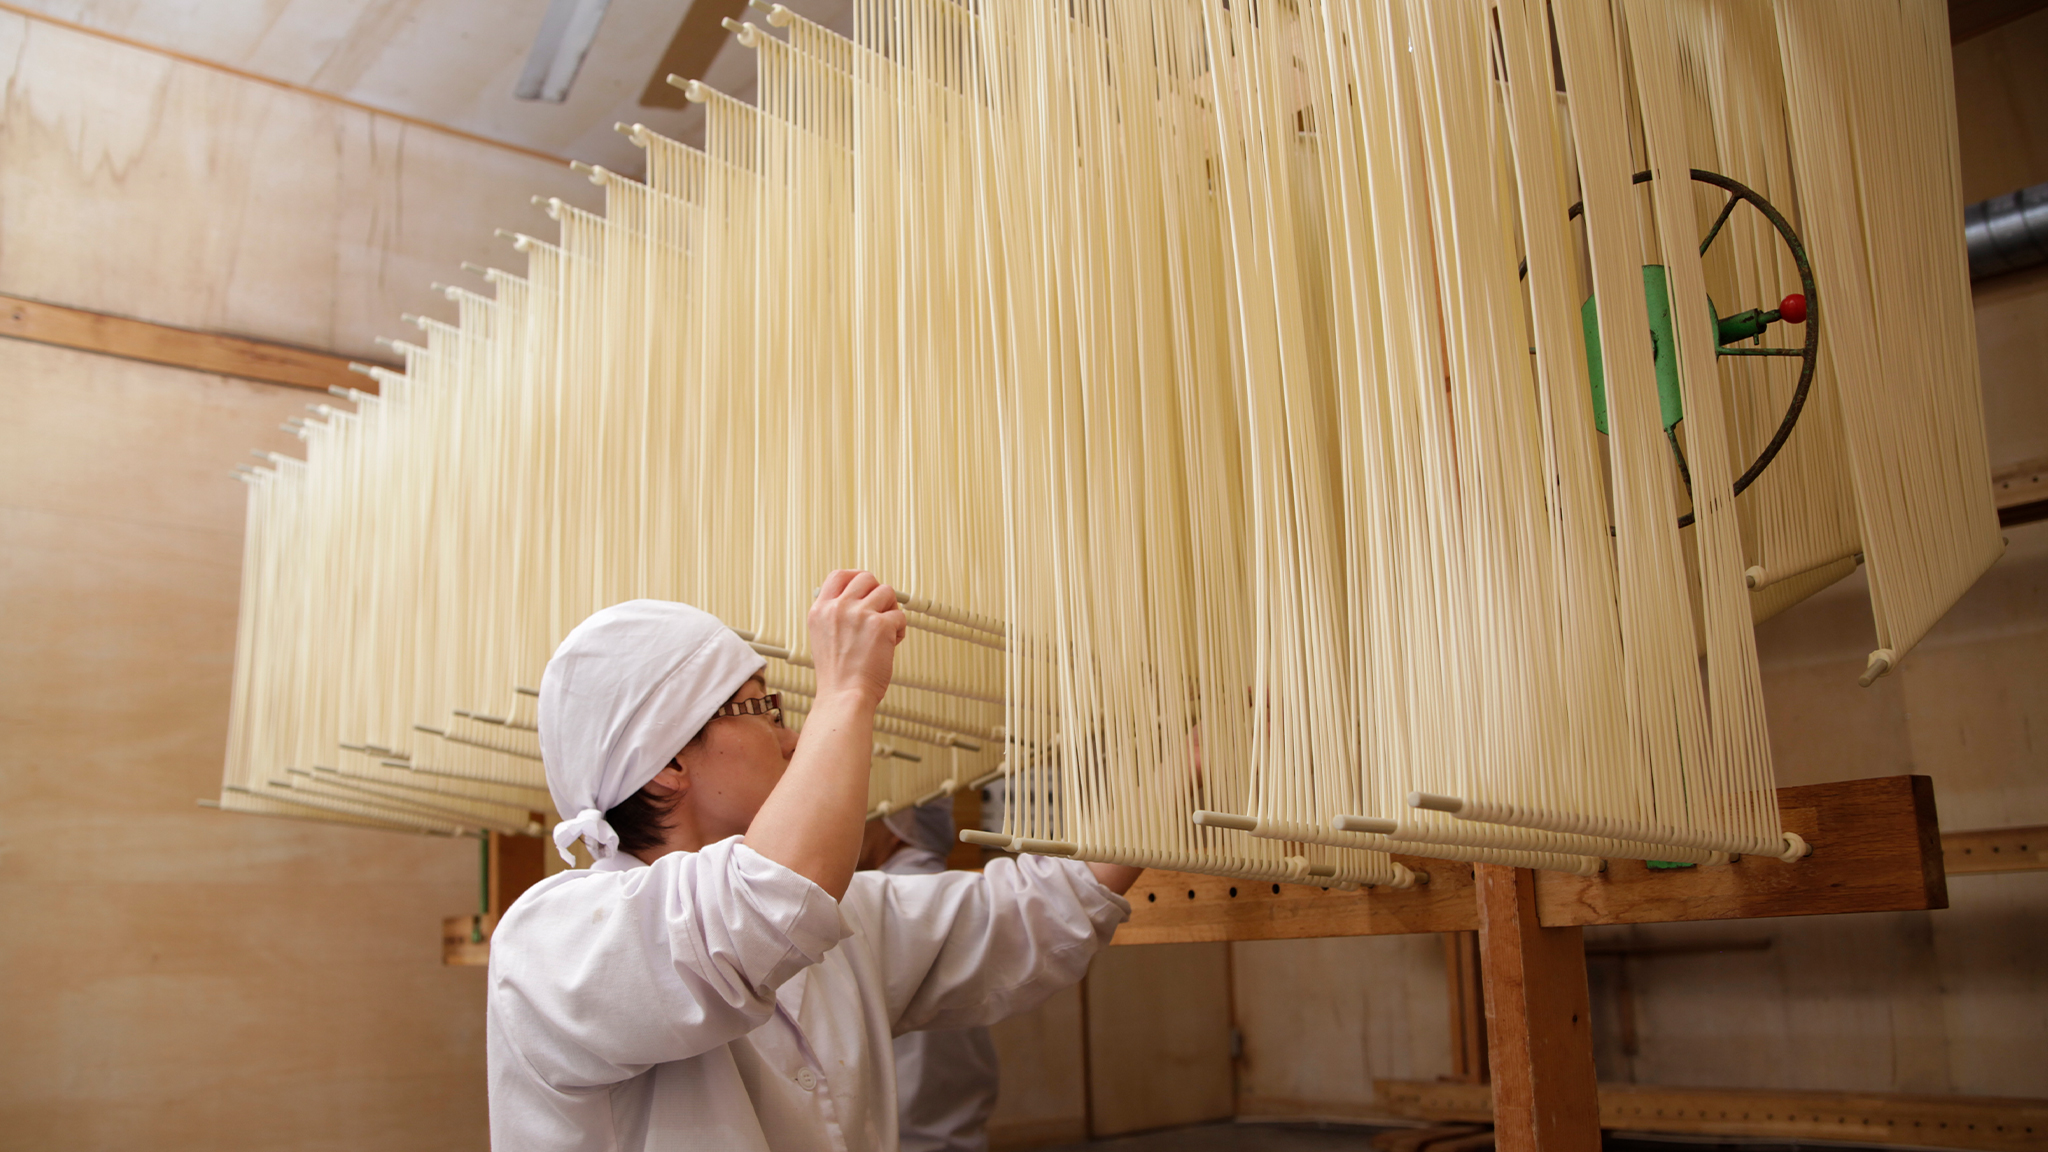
x: 2007, y: 233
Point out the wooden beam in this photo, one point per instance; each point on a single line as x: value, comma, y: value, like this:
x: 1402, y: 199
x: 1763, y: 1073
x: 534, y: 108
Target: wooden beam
x: 1996, y: 850
x: 1182, y: 907
x: 210, y: 352
x: 1539, y: 1021
x: 698, y: 40
x: 1987, y: 1123
x: 1876, y: 849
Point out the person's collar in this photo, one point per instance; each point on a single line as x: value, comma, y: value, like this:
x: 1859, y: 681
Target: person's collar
x: 618, y: 862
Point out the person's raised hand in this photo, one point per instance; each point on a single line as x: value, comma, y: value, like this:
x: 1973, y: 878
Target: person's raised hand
x: 855, y: 625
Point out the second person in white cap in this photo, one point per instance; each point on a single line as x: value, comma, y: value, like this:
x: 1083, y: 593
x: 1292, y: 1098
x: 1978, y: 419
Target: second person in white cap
x: 720, y: 978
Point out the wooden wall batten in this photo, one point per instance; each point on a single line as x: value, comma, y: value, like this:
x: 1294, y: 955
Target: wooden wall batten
x: 212, y: 352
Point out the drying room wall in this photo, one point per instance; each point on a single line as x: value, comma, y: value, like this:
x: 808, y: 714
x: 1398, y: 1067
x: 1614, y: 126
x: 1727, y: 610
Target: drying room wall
x: 172, y: 977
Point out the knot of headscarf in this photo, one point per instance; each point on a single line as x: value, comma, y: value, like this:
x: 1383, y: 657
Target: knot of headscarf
x: 625, y: 691
x: 590, y: 827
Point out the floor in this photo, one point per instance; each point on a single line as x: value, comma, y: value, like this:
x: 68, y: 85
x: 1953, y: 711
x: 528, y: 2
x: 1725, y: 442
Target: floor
x: 1309, y: 1137
x: 1231, y: 1137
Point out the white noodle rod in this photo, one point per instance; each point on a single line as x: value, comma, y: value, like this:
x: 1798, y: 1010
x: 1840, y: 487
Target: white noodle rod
x: 1590, y: 830
x: 1283, y: 830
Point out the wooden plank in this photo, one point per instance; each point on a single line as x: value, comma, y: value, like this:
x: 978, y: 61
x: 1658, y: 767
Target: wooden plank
x: 1182, y: 907
x: 1539, y: 1020
x: 1988, y: 1123
x: 1876, y: 848
x: 210, y: 352
x: 697, y: 42
x: 1996, y: 850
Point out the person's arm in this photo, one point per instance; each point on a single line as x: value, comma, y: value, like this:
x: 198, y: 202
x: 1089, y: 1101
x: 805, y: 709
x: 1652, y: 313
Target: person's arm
x: 1116, y: 877
x: 964, y: 948
x: 811, y: 823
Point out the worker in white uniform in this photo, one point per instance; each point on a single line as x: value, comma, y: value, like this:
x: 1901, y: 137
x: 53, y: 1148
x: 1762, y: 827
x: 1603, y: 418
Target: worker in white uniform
x: 946, y: 1079
x: 720, y: 978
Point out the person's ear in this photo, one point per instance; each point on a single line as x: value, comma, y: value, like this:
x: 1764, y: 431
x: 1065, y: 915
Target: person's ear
x: 672, y: 781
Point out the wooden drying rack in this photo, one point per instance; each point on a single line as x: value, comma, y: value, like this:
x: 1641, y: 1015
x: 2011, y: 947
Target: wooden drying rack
x: 1876, y: 848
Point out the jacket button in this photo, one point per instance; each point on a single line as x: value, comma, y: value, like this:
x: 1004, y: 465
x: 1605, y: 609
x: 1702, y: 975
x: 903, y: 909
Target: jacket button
x: 806, y: 1079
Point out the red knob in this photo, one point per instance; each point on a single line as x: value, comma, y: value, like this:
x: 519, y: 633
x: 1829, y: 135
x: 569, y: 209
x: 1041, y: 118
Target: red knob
x: 1792, y: 309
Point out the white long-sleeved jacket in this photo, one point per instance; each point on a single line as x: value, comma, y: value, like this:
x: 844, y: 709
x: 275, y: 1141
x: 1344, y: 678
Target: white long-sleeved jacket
x: 946, y: 1078
x: 718, y: 1000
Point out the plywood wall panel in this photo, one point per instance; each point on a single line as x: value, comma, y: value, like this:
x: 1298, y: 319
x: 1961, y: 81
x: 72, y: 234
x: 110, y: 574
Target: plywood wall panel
x: 173, y: 977
x: 1159, y: 1037
x: 1044, y: 1095
x: 1991, y: 947
x: 1846, y: 1003
x: 197, y: 198
x: 2012, y: 343
x: 1322, y: 1019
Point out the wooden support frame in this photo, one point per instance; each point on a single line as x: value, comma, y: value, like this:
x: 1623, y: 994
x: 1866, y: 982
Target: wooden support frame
x: 1877, y: 848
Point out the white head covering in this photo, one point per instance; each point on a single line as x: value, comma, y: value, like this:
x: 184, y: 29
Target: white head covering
x: 626, y: 690
x: 929, y: 826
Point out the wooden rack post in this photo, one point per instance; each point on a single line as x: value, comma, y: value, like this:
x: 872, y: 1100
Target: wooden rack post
x: 1538, y: 1020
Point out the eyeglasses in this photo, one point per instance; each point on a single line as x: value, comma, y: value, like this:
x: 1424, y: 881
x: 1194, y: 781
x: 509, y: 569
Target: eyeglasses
x: 769, y: 705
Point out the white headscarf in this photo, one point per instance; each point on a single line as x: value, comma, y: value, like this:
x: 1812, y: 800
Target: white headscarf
x: 626, y: 690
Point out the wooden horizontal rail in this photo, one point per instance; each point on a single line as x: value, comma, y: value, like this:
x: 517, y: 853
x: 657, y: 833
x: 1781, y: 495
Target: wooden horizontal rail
x: 187, y: 348
x: 1994, y: 1124
x: 1996, y: 850
x: 1875, y: 849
